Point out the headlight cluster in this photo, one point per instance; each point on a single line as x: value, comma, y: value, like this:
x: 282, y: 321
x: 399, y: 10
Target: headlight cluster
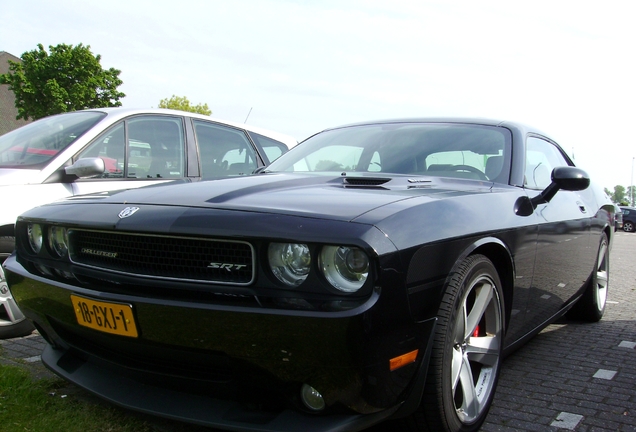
x: 57, y: 236
x: 346, y: 268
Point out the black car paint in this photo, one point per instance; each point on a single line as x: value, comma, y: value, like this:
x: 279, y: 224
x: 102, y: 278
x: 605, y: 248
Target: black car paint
x: 413, y: 256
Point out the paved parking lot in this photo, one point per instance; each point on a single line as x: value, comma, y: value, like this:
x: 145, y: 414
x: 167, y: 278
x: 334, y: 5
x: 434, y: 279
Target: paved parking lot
x: 572, y: 376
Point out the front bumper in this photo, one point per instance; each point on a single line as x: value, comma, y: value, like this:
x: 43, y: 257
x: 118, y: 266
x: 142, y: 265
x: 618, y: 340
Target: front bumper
x: 193, y: 408
x: 234, y: 368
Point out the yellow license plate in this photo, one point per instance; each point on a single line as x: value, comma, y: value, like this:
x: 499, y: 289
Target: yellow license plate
x: 115, y: 318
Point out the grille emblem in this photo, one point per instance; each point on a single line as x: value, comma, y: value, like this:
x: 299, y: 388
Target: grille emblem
x: 226, y: 266
x: 128, y: 211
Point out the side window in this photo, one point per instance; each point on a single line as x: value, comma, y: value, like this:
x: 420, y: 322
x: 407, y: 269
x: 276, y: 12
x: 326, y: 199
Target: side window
x: 223, y: 151
x: 541, y: 158
x: 141, y: 147
x: 273, y: 149
x: 156, y: 147
x: 111, y: 147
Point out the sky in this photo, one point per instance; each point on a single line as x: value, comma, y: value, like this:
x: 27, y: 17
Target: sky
x: 297, y: 67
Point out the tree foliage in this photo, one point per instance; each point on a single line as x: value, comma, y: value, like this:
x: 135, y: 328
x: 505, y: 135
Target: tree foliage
x: 183, y: 104
x: 619, y: 194
x: 68, y: 78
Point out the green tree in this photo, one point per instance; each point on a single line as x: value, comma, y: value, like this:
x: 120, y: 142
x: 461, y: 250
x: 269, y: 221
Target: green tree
x: 183, y: 104
x: 66, y: 79
x: 629, y: 195
x: 619, y: 194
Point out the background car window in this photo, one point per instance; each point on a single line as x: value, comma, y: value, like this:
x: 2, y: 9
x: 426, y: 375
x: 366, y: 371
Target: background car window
x: 224, y: 151
x: 38, y: 142
x: 155, y: 148
x: 164, y: 137
x: 541, y: 158
x: 110, y: 146
x: 273, y: 149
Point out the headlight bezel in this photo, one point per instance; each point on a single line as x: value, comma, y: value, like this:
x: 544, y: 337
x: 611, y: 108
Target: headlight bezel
x: 59, y: 246
x: 289, y: 262
x: 346, y: 268
x: 35, y: 237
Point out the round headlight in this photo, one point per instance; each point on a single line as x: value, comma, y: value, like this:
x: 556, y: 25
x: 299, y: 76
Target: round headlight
x: 346, y: 268
x: 290, y: 262
x: 34, y: 232
x: 58, y: 240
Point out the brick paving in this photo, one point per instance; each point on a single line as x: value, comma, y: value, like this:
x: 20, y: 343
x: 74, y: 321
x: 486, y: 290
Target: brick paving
x: 570, y: 377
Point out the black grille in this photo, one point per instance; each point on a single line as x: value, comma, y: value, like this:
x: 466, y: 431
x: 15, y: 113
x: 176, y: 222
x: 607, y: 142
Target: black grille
x: 183, y: 258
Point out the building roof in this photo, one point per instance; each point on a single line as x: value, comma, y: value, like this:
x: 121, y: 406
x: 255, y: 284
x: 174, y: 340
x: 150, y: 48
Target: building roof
x: 8, y: 111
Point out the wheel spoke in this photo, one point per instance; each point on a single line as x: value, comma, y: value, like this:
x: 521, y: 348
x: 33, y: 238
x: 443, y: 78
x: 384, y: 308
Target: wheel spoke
x: 482, y: 300
x: 470, y: 403
x: 601, y: 277
x: 460, y: 327
x: 456, y: 367
x: 483, y: 350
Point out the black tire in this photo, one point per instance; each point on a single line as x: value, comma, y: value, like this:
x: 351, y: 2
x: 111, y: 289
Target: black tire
x: 7, y: 245
x: 591, y: 306
x: 466, y: 354
x: 628, y: 226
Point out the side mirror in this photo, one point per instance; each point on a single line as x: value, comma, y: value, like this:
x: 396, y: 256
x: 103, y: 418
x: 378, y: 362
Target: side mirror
x: 86, y: 167
x: 570, y: 178
x: 567, y: 178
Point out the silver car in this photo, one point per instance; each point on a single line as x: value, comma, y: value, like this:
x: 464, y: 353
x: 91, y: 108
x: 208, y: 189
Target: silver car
x: 109, y: 149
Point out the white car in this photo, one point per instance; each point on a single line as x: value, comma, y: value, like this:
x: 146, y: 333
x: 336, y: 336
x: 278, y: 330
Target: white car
x: 109, y: 149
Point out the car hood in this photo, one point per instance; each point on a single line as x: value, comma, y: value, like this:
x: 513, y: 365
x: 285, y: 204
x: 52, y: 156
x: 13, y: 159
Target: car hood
x: 322, y: 196
x: 9, y: 176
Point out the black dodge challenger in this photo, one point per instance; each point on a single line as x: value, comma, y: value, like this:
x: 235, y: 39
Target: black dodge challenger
x: 376, y: 271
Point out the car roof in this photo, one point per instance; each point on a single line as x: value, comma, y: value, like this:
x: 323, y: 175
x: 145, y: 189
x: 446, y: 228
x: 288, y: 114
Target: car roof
x: 456, y: 120
x: 125, y: 112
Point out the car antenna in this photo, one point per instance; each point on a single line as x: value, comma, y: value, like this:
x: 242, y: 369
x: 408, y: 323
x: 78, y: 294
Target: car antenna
x: 248, y: 116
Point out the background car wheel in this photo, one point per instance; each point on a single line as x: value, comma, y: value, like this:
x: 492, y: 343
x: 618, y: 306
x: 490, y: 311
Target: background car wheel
x: 23, y: 328
x: 12, y: 322
x: 466, y: 355
x: 591, y: 306
x: 628, y: 226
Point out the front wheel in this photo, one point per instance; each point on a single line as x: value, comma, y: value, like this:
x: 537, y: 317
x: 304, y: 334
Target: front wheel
x: 467, y: 351
x: 628, y: 226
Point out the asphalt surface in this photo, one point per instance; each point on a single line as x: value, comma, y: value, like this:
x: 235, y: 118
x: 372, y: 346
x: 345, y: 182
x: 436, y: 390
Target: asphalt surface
x: 571, y: 376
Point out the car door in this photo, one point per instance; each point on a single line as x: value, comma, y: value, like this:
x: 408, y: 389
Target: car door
x: 138, y: 151
x: 564, y: 255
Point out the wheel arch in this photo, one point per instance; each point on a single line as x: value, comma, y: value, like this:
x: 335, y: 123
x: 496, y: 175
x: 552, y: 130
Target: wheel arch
x: 498, y: 253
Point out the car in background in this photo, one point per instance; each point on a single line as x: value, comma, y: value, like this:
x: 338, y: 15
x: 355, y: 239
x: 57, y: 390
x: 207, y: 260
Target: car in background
x: 116, y: 148
x: 338, y: 288
x: 618, y: 218
x: 629, y: 218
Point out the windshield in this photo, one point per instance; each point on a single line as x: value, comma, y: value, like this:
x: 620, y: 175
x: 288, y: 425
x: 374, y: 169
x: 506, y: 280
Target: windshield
x: 38, y: 142
x: 437, y: 149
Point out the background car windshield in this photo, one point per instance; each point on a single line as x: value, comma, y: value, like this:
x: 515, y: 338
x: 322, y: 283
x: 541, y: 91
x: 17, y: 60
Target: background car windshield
x: 38, y: 142
x: 437, y: 149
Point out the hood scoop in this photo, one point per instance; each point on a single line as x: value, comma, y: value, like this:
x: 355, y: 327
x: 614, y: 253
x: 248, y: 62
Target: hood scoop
x: 371, y: 182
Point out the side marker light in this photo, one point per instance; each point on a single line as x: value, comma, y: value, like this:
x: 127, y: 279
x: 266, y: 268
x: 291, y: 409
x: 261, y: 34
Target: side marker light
x: 403, y: 360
